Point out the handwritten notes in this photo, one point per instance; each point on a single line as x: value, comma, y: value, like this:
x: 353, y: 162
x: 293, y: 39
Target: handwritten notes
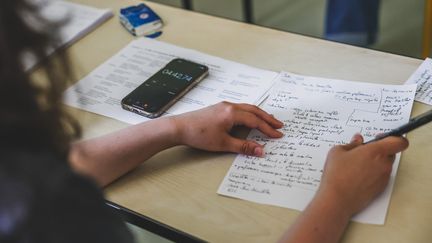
x: 423, y: 78
x: 317, y: 114
x: 102, y: 90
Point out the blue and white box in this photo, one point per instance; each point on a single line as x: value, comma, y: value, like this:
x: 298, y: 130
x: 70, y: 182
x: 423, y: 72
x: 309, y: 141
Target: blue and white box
x: 140, y: 20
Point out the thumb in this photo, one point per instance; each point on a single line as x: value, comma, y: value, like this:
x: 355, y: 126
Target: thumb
x: 245, y: 147
x: 356, y: 140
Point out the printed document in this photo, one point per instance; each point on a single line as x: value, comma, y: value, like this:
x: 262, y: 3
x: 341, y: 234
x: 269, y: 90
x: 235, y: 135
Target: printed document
x: 317, y: 114
x: 423, y: 78
x: 102, y: 90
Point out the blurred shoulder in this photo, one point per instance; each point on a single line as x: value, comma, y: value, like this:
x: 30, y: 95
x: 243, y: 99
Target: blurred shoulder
x: 43, y: 199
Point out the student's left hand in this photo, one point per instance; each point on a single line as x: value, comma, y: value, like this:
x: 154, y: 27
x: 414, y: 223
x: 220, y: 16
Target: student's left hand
x: 209, y: 128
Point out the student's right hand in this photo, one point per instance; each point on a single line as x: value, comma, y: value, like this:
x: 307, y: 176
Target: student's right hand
x: 354, y: 174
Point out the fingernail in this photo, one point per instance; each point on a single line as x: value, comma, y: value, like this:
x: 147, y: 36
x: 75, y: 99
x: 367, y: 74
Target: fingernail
x: 258, y: 152
x: 355, y: 138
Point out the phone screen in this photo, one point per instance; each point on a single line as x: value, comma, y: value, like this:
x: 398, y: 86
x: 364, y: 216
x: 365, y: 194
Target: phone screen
x: 161, y: 90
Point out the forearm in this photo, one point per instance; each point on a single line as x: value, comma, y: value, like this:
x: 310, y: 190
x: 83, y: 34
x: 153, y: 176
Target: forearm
x: 108, y: 157
x: 323, y: 221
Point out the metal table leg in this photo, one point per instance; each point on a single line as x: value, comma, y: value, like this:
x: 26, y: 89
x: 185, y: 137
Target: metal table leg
x: 187, y: 4
x: 248, y: 11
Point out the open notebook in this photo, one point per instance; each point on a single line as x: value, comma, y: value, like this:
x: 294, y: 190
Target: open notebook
x: 82, y: 20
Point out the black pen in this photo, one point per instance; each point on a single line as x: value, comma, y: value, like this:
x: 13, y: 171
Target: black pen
x: 411, y: 125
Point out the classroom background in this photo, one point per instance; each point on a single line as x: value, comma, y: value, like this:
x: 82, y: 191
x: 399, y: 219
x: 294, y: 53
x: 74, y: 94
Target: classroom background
x: 400, y: 27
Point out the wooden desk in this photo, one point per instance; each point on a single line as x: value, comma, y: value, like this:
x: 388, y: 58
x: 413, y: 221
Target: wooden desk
x: 178, y: 186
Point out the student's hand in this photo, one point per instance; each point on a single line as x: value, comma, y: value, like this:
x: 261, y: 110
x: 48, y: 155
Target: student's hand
x: 209, y: 128
x: 355, y: 174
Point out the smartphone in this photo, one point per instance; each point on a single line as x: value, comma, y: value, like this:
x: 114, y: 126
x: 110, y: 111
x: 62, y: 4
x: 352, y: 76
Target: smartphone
x: 153, y: 97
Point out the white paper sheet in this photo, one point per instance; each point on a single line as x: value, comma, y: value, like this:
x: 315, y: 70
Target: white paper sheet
x: 102, y: 90
x: 317, y: 114
x: 81, y: 20
x: 423, y: 78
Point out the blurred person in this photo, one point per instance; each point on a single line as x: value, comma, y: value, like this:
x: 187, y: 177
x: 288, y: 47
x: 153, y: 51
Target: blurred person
x: 353, y: 22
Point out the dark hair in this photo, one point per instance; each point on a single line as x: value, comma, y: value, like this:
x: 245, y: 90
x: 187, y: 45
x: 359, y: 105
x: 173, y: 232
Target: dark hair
x: 41, y: 198
x: 31, y: 113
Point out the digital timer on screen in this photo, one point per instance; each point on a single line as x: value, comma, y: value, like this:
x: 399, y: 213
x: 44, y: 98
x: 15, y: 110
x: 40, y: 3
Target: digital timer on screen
x: 177, y: 75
